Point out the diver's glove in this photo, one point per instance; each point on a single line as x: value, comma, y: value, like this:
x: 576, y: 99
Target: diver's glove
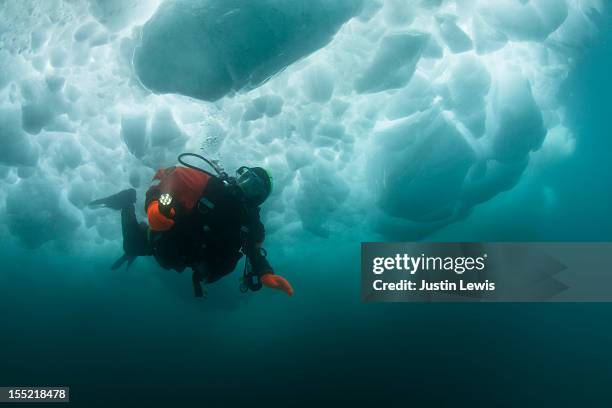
x: 273, y: 281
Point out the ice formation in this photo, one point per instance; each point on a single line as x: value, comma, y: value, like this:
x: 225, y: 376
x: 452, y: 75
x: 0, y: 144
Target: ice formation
x: 375, y: 117
x: 229, y: 45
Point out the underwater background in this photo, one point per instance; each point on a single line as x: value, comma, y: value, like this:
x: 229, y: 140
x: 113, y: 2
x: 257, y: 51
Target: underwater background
x: 137, y: 337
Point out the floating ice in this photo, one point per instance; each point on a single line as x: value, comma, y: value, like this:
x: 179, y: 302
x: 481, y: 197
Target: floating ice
x: 164, y: 130
x: 395, y: 117
x: 134, y: 133
x: 525, y: 20
x: 16, y: 146
x: 319, y: 83
x: 468, y: 86
x: 37, y: 213
x: 206, y: 49
x: 455, y: 38
x: 118, y: 14
x: 419, y: 164
x: 418, y: 95
x: 516, y: 121
x: 269, y: 105
x: 394, y: 62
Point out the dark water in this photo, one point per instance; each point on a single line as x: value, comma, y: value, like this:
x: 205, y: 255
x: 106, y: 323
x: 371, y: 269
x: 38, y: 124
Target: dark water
x: 137, y: 338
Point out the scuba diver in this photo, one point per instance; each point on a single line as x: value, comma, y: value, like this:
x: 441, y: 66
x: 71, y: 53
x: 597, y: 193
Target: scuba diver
x: 201, y: 221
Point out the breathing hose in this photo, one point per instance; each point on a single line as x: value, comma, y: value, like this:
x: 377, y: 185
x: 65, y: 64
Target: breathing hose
x: 220, y: 173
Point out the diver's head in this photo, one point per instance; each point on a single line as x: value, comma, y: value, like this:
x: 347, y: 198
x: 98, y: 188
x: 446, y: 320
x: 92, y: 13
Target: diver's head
x: 255, y: 183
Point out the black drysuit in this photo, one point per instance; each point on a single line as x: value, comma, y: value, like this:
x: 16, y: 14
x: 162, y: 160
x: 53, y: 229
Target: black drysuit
x: 210, y: 238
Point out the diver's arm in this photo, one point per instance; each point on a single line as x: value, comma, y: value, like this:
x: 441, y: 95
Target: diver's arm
x: 254, y: 247
x: 258, y: 261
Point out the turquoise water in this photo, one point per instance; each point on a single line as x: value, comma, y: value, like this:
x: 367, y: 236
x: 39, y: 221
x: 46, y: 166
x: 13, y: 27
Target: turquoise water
x: 130, y: 337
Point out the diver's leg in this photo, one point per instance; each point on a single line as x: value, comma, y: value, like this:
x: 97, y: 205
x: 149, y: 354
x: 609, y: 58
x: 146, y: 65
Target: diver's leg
x: 135, y: 235
x: 199, y: 275
x: 209, y: 272
x: 135, y: 240
x: 221, y: 267
x: 117, y: 201
x: 196, y: 279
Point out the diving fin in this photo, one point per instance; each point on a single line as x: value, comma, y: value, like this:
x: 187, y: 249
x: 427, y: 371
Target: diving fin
x: 123, y: 259
x: 196, y: 279
x: 117, y: 201
x: 130, y: 262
